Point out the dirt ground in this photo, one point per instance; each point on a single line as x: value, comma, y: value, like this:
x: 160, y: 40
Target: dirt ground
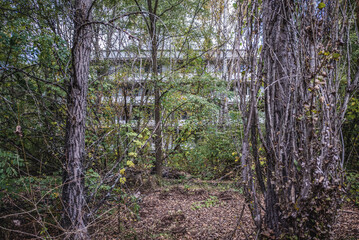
x: 182, y: 212
x: 177, y: 210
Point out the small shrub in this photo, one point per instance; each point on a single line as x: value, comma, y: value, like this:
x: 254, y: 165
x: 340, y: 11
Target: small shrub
x: 353, y: 184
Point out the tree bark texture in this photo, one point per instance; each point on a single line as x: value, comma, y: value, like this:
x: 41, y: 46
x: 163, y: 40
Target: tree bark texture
x: 73, y: 192
x: 157, y: 111
x: 302, y: 121
x: 249, y: 81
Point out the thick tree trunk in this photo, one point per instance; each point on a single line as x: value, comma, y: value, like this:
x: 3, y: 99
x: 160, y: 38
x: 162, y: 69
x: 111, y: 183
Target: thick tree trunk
x: 302, y: 123
x: 73, y: 192
x: 279, y: 67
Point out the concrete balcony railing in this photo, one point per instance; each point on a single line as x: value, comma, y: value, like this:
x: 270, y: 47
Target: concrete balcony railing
x: 126, y: 55
x: 150, y: 124
x: 136, y: 101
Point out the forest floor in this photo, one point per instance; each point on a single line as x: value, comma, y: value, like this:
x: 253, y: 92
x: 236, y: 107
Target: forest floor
x: 201, y: 210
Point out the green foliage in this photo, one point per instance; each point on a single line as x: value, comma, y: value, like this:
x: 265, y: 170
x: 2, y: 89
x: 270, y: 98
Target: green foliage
x: 352, y: 181
x: 207, y: 154
x: 33, y: 61
x: 10, y: 165
x: 132, y: 202
x: 351, y: 134
x: 93, y: 181
x: 350, y: 127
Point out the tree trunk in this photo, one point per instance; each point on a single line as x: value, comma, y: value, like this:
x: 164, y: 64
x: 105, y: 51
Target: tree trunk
x: 73, y: 192
x: 302, y: 123
x: 278, y: 66
x: 157, y: 110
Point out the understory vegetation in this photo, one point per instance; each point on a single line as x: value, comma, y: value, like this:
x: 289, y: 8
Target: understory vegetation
x: 179, y: 119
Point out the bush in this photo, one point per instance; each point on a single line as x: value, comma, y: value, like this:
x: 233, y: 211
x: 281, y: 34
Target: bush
x: 352, y: 181
x: 210, y: 156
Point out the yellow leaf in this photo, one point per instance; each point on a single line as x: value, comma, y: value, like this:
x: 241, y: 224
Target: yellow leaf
x: 130, y: 164
x: 321, y: 5
x: 132, y: 154
x: 122, y: 180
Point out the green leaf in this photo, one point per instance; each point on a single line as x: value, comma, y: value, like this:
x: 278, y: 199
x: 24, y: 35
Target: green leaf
x: 335, y: 55
x: 321, y: 5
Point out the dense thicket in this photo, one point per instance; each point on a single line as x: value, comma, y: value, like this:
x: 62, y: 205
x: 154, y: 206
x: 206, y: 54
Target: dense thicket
x: 96, y: 95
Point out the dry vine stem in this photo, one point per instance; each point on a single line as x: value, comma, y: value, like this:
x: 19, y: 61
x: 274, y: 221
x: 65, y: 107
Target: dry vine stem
x: 294, y: 50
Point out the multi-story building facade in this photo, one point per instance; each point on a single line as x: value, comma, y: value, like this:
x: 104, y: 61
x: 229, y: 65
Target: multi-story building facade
x: 133, y: 77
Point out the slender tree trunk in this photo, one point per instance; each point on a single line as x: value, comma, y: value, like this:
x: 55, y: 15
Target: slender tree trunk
x: 254, y: 141
x: 154, y: 49
x: 247, y: 79
x: 158, y: 132
x: 73, y: 192
x: 223, y: 56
